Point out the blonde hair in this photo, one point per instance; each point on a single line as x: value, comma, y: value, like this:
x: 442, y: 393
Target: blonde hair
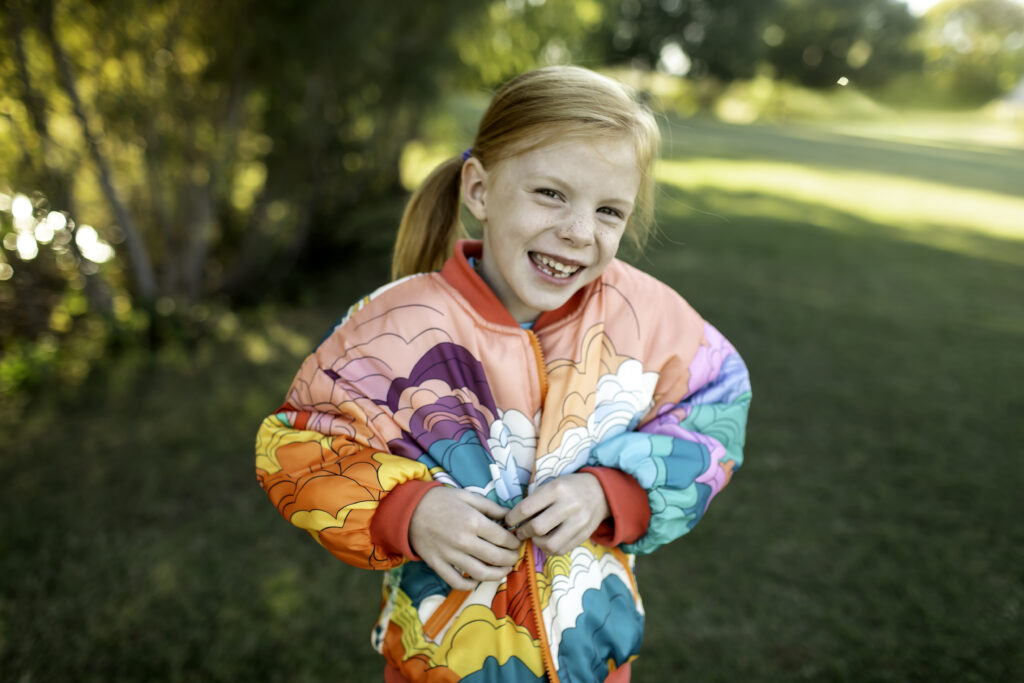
x: 528, y: 112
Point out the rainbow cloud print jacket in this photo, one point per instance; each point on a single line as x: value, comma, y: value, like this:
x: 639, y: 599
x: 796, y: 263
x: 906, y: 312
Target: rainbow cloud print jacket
x: 429, y: 381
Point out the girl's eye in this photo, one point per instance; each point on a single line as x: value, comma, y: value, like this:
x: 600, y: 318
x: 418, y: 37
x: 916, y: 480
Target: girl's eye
x: 551, y: 194
x: 615, y: 213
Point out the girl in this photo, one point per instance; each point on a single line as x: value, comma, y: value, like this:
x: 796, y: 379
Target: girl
x: 507, y: 425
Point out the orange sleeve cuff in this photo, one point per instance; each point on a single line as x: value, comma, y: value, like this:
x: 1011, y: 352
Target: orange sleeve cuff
x: 390, y: 526
x: 630, y: 510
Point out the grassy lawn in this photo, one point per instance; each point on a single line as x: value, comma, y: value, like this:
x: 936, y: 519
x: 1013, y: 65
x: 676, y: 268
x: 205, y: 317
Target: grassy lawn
x: 876, y: 289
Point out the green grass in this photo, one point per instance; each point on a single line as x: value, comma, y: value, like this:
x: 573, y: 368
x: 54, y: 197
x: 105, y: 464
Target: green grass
x: 873, y: 535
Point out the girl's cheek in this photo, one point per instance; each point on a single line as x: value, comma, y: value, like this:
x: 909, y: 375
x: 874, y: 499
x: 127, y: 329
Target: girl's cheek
x: 553, y: 212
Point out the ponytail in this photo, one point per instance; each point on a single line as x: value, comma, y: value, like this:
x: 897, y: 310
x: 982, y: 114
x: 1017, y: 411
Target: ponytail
x: 430, y: 225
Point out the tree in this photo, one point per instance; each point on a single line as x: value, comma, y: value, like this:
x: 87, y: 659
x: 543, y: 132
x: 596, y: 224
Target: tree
x: 214, y: 147
x: 513, y: 36
x: 817, y: 42
x: 974, y: 49
x: 717, y: 39
x: 210, y: 157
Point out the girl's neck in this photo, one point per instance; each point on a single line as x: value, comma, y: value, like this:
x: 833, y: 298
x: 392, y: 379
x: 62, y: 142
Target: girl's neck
x: 476, y: 264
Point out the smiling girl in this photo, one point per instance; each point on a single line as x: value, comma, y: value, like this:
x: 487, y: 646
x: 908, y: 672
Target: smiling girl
x: 504, y: 427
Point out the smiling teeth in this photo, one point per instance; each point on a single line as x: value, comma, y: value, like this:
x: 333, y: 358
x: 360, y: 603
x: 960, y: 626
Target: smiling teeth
x: 559, y: 269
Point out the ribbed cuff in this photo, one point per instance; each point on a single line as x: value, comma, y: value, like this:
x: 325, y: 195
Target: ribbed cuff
x: 627, y: 501
x: 390, y: 526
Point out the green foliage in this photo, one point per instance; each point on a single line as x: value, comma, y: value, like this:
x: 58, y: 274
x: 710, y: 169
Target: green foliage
x: 817, y: 42
x: 811, y: 42
x: 58, y: 315
x: 720, y: 39
x: 231, y: 150
x: 214, y: 146
x: 974, y: 50
x: 514, y: 36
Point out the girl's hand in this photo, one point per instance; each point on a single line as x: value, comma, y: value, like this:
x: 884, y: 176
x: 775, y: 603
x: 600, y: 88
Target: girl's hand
x: 561, y: 514
x: 455, y: 533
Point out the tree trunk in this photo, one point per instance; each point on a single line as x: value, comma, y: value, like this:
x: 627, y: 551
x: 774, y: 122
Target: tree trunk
x: 203, y: 224
x: 141, y: 263
x: 316, y: 140
x: 200, y: 232
x: 253, y: 254
x: 58, y: 189
x: 162, y: 215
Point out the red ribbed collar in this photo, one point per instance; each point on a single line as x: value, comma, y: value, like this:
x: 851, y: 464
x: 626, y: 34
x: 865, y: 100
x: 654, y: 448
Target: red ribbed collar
x: 460, y: 275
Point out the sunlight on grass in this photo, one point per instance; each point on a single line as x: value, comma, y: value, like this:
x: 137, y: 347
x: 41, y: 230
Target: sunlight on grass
x: 917, y: 207
x: 989, y: 128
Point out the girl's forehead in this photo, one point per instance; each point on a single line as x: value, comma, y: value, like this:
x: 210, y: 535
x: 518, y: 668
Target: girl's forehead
x: 612, y: 154
x: 607, y: 167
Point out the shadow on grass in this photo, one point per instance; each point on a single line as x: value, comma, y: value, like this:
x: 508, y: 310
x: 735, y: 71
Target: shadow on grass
x: 998, y: 170
x: 871, y: 536
x: 867, y: 538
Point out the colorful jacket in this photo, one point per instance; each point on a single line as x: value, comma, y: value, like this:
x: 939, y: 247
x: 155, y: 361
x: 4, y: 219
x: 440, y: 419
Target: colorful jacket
x: 429, y: 381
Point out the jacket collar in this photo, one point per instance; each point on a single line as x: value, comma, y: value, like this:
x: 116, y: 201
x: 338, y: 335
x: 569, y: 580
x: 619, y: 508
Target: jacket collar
x: 460, y: 275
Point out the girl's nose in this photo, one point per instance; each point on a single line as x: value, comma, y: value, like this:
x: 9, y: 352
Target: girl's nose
x: 578, y: 230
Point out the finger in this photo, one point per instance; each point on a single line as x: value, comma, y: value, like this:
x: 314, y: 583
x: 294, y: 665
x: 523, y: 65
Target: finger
x: 560, y: 541
x: 528, y: 507
x: 541, y: 525
x: 494, y: 555
x: 486, y: 506
x: 457, y: 581
x: 481, y: 571
x: 456, y: 575
x: 448, y: 573
x: 497, y: 535
x: 544, y: 543
x: 465, y: 534
x: 553, y: 550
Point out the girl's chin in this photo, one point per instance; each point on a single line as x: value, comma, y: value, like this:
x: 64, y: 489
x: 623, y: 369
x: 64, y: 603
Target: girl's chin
x: 542, y: 292
x: 541, y: 301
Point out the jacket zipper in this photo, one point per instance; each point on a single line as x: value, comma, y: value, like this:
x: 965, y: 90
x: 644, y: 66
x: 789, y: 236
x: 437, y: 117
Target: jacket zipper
x: 545, y: 648
x: 454, y: 600
x: 542, y: 372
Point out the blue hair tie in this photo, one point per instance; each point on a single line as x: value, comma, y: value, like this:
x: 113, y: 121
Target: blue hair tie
x: 467, y: 154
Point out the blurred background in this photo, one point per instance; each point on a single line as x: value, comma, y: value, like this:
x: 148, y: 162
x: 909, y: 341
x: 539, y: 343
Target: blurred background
x: 191, y: 193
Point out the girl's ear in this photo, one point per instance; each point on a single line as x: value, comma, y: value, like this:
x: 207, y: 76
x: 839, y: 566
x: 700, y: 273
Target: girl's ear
x: 474, y: 188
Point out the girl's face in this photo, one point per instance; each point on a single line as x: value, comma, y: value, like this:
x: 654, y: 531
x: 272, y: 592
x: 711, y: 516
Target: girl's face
x: 552, y: 218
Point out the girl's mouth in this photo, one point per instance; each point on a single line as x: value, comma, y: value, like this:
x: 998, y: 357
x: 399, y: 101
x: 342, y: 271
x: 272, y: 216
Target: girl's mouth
x: 552, y: 267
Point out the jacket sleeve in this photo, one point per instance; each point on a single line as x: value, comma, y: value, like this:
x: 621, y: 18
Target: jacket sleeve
x: 687, y: 452
x: 327, y: 471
